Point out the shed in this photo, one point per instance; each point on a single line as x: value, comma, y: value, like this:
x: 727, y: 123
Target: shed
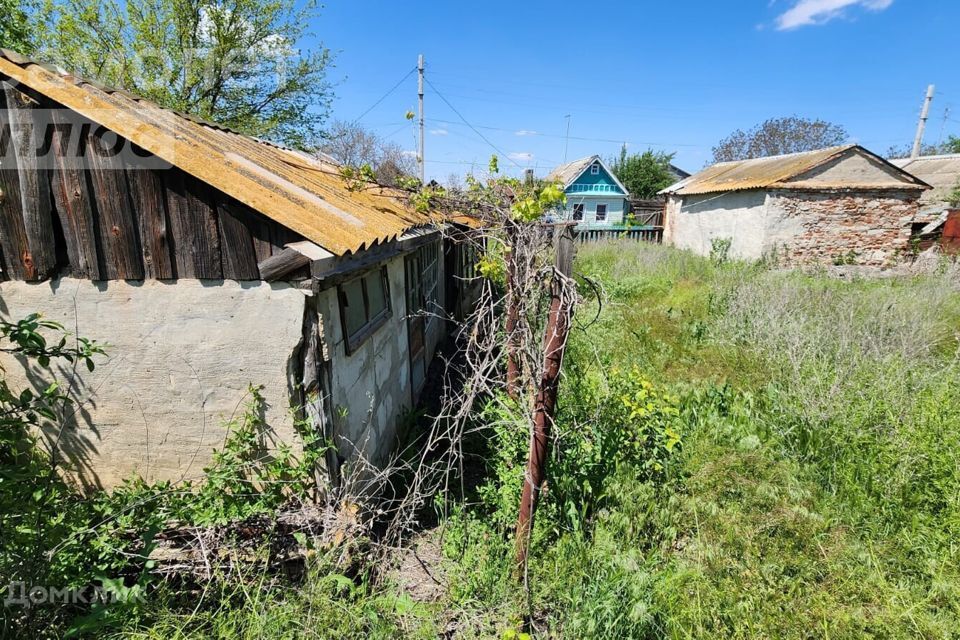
x: 942, y: 173
x: 842, y: 203
x: 208, y: 261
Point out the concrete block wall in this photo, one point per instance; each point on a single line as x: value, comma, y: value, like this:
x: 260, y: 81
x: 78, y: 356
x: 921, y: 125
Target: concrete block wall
x: 371, y: 387
x: 181, y: 356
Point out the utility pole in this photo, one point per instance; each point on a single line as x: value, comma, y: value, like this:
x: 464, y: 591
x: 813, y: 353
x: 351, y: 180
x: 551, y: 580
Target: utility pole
x: 566, y: 140
x: 420, y: 105
x: 918, y: 141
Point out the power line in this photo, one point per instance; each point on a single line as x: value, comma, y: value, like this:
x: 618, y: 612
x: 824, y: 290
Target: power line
x: 384, y: 96
x: 460, y: 115
x: 396, y: 131
x: 479, y: 163
x: 581, y: 138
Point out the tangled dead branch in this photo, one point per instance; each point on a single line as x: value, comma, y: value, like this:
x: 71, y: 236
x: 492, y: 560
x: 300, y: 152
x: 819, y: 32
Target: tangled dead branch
x: 505, y: 345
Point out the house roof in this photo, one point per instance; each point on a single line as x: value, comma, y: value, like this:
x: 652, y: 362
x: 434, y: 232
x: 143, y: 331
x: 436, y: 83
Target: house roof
x: 940, y: 172
x: 567, y: 174
x: 678, y: 172
x: 302, y: 193
x: 791, y: 171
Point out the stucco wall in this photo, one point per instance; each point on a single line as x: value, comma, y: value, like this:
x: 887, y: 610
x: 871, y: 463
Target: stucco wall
x: 371, y: 387
x: 870, y: 227
x: 693, y: 222
x: 864, y: 227
x: 180, y: 357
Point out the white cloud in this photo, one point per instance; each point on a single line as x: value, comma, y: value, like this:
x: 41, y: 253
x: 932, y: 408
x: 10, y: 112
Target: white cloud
x: 438, y: 132
x: 811, y: 12
x: 521, y: 156
x: 525, y: 132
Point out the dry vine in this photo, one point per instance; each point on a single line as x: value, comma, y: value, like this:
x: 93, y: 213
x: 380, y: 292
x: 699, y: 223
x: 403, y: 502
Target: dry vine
x: 517, y: 271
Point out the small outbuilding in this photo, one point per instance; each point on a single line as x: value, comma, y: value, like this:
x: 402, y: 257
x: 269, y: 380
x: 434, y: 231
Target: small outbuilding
x: 942, y: 172
x: 841, y: 204
x: 207, y: 261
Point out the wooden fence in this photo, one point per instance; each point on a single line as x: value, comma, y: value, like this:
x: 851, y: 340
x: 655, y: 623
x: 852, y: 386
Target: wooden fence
x: 638, y: 234
x: 647, y: 213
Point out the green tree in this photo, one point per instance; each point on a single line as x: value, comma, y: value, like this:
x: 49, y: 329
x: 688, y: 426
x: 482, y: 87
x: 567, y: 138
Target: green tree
x: 643, y: 174
x: 778, y: 136
x: 234, y: 62
x: 16, y: 28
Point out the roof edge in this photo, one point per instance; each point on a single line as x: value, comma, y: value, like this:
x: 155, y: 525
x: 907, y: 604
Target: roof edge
x: 829, y: 154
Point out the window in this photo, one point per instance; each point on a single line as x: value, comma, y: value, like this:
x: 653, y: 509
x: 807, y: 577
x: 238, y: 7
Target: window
x: 601, y: 212
x: 364, y: 306
x: 430, y: 265
x: 595, y: 170
x: 578, y: 212
x: 423, y: 286
x: 466, y: 260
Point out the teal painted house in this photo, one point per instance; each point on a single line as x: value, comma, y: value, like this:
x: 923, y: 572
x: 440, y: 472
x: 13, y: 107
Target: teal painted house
x: 595, y: 197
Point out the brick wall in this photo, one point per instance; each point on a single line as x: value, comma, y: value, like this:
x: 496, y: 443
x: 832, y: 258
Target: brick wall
x: 865, y: 227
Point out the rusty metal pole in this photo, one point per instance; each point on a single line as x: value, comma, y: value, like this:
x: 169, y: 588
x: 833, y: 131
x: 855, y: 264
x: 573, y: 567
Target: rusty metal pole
x: 513, y: 317
x: 558, y: 326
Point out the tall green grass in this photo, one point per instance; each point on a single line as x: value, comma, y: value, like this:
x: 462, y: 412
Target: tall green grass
x: 823, y: 477
x: 814, y: 493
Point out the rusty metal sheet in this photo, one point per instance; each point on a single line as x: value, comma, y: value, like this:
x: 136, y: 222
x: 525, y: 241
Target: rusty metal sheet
x: 302, y: 193
x: 950, y: 240
x: 780, y: 171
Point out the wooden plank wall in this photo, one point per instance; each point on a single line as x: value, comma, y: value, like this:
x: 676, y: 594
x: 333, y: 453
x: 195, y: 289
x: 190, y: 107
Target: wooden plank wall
x: 102, y: 216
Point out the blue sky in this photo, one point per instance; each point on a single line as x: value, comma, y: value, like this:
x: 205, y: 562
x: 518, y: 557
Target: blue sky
x: 676, y: 76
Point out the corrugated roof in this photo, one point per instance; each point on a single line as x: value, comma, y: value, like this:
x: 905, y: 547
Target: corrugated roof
x: 779, y: 171
x: 302, y: 193
x: 940, y: 172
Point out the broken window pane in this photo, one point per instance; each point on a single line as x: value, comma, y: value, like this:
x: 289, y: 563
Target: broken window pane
x: 354, y: 313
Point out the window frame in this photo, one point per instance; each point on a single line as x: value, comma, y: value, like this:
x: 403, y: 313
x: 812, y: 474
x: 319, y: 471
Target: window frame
x: 430, y: 279
x: 594, y: 169
x: 353, y: 341
x: 578, y: 206
x: 596, y: 213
